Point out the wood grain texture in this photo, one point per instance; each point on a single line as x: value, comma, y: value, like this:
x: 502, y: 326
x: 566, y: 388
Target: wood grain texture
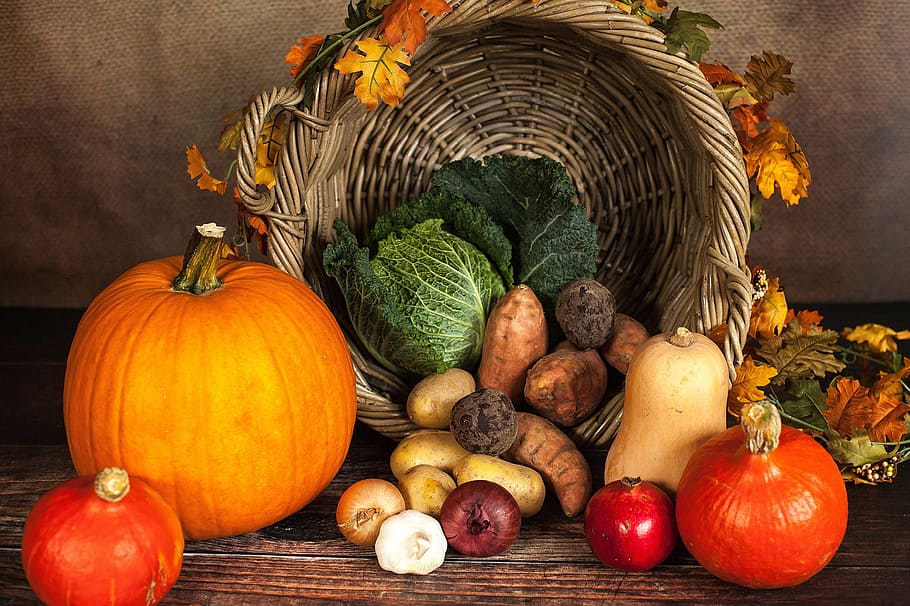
x: 303, y: 559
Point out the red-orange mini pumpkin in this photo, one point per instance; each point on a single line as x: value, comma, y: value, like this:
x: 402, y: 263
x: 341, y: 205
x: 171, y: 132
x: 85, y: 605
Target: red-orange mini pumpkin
x: 105, y: 539
x: 232, y: 394
x: 762, y: 505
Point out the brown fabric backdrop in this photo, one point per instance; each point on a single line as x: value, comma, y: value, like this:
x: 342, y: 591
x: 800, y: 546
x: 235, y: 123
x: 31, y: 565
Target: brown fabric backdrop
x: 100, y: 99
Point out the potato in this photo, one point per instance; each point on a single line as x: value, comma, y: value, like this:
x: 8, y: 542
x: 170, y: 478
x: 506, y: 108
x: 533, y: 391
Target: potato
x: 425, y: 488
x: 628, y: 334
x: 584, y: 312
x: 434, y: 447
x: 430, y: 402
x: 525, y: 484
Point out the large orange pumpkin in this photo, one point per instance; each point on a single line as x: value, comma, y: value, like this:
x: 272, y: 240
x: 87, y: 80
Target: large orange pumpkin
x: 236, y: 404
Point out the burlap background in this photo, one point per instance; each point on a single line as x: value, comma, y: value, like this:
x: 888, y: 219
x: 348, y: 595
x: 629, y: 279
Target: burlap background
x: 100, y: 99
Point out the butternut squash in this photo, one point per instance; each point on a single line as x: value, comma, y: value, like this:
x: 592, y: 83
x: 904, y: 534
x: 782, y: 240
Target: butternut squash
x: 675, y: 399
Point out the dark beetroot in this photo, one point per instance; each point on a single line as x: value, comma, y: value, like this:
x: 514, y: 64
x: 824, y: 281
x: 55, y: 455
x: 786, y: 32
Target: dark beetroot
x: 480, y: 518
x: 631, y: 525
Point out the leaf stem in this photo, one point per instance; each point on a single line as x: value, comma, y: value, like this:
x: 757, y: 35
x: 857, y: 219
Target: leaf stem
x: 772, y: 397
x: 333, y: 46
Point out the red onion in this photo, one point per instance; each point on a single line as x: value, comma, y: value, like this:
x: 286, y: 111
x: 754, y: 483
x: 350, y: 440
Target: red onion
x: 480, y: 518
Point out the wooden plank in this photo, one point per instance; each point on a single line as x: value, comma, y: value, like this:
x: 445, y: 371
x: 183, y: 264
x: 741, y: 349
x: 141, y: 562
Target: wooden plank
x: 254, y: 580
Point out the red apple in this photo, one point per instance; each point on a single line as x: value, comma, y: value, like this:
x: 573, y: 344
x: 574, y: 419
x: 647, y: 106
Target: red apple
x: 631, y: 525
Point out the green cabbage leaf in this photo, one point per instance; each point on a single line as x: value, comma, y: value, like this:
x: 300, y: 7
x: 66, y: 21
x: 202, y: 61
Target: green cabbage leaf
x: 534, y: 201
x: 420, y: 304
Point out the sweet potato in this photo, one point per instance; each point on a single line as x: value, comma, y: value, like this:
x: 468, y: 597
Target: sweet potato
x: 567, y: 385
x: 628, y: 334
x: 545, y: 448
x: 516, y: 337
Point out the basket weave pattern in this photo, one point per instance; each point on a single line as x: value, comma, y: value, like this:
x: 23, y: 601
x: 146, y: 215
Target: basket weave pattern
x: 646, y: 142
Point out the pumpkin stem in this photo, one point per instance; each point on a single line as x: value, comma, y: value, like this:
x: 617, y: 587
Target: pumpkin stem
x: 683, y: 337
x: 200, y: 261
x: 761, y: 423
x: 112, y: 484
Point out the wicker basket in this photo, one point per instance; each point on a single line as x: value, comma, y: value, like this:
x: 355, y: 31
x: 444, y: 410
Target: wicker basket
x: 650, y: 150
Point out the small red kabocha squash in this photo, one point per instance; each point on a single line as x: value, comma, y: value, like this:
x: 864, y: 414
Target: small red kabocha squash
x: 760, y: 504
x: 226, y: 384
x: 104, y: 539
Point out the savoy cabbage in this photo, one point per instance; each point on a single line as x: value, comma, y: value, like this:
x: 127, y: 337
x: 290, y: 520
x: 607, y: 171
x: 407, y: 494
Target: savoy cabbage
x: 420, y: 304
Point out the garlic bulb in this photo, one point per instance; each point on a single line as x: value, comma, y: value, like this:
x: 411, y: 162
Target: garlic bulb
x: 411, y: 542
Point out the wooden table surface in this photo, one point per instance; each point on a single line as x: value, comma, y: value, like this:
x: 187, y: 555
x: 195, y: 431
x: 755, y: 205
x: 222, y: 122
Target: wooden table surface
x: 304, y: 559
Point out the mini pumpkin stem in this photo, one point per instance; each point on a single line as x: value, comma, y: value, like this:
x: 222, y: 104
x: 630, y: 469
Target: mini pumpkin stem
x: 112, y: 484
x: 761, y: 423
x: 683, y: 337
x: 200, y: 261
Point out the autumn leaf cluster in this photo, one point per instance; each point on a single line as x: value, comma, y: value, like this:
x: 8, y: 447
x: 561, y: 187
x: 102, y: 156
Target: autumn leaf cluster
x: 851, y: 389
x: 774, y: 160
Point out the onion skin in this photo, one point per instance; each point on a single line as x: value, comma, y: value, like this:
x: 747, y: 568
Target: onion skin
x: 480, y: 518
x: 364, y: 506
x: 630, y: 525
x: 763, y: 521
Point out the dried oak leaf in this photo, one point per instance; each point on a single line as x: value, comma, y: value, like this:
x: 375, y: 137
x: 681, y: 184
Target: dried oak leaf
x: 801, y: 356
x: 769, y: 313
x: 403, y: 20
x: 853, y: 409
x: 745, y: 389
x: 853, y: 450
x: 380, y: 65
x: 769, y: 74
x: 776, y: 161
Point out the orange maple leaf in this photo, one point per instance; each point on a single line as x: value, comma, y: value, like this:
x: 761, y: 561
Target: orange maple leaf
x: 718, y: 73
x: 776, y: 161
x: 769, y: 313
x: 879, y: 338
x: 745, y: 389
x: 852, y: 408
x: 382, y: 76
x: 807, y: 319
x: 748, y: 118
x: 302, y: 53
x: 892, y: 383
x: 198, y: 170
x: 403, y: 20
